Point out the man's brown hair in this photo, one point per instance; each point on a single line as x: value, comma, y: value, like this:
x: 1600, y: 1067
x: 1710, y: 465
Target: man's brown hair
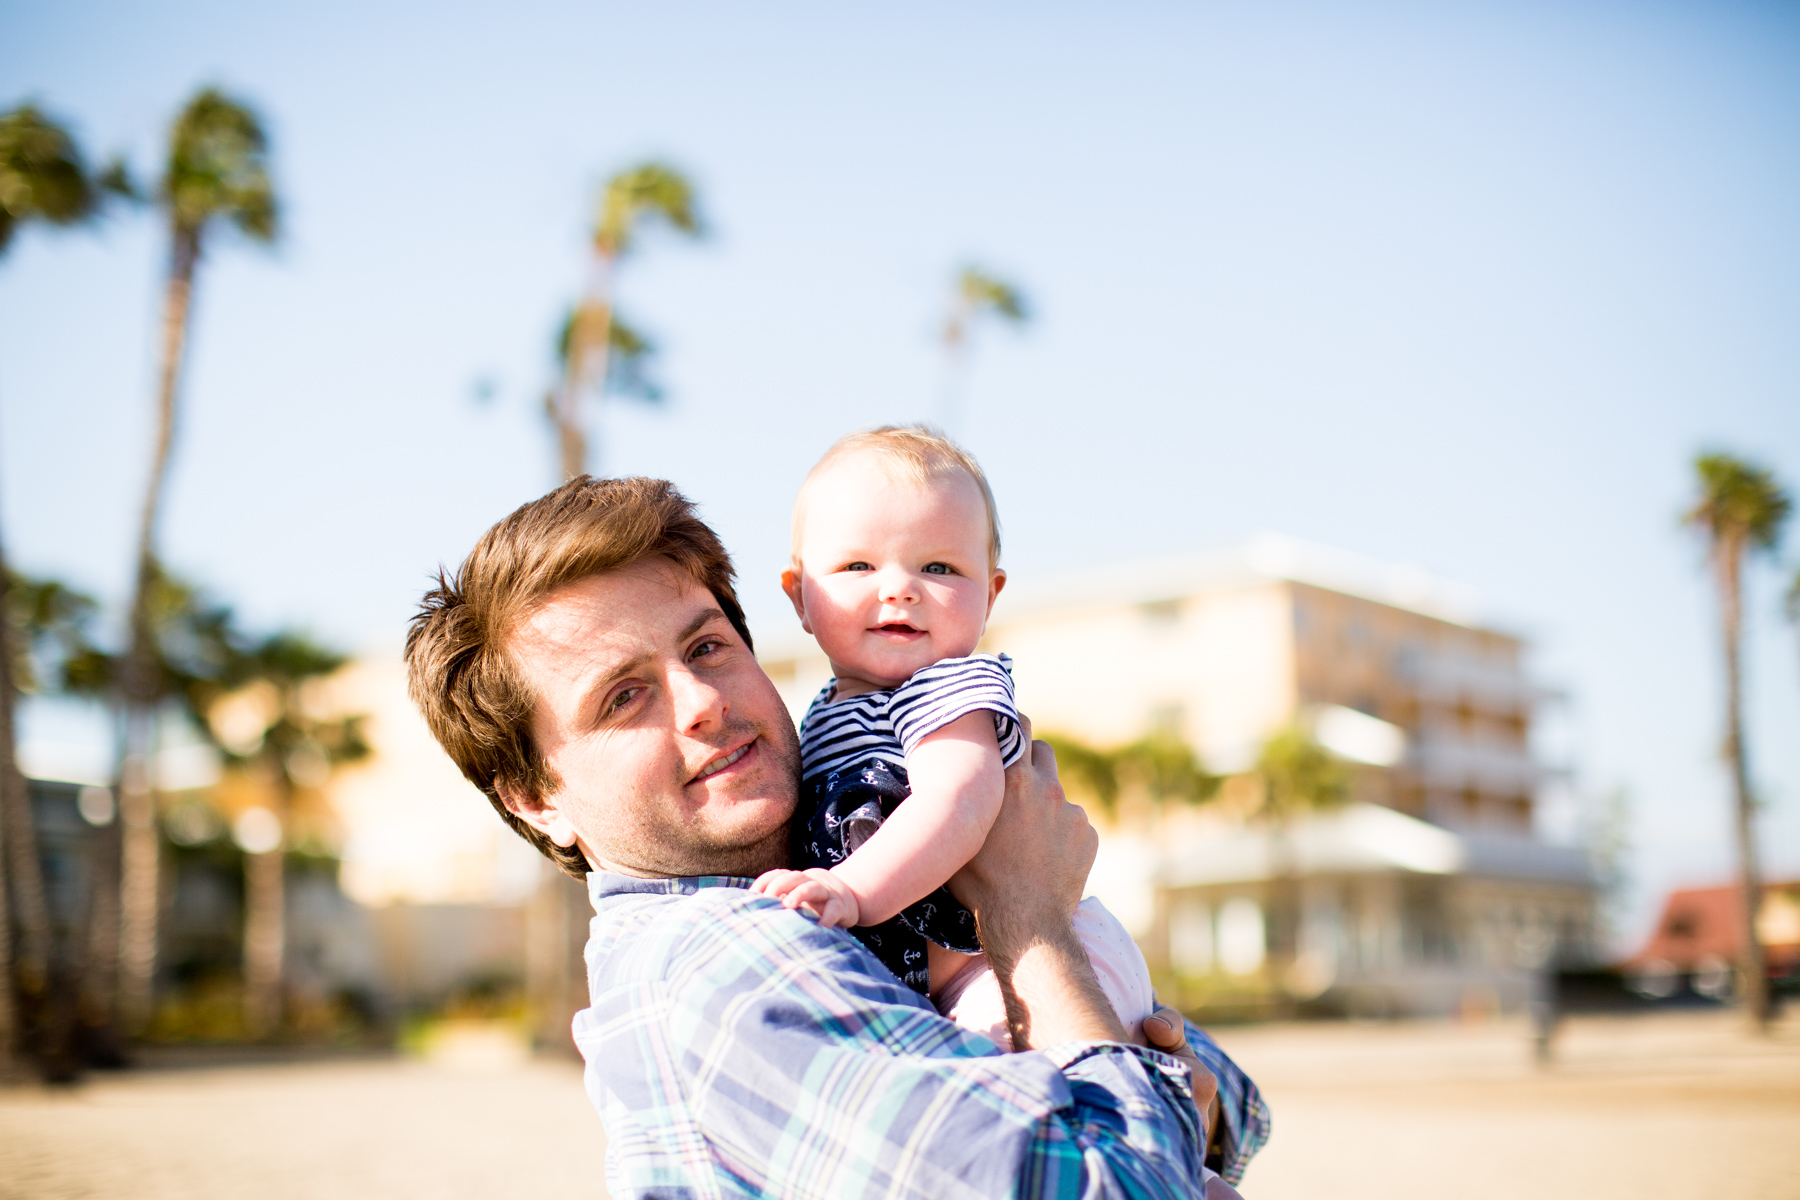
x: 458, y: 670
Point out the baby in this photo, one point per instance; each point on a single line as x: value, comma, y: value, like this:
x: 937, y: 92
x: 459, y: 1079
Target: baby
x: 896, y: 552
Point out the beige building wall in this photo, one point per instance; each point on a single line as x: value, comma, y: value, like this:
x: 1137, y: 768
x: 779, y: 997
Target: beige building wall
x: 1216, y: 669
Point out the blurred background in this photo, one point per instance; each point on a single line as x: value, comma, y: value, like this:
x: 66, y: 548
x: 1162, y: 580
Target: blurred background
x: 1391, y: 411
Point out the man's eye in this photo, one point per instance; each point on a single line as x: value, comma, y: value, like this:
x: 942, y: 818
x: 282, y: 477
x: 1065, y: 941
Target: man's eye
x: 939, y: 569
x: 709, y: 646
x: 624, y: 697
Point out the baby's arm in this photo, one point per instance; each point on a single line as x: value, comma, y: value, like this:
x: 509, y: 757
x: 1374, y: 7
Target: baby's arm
x: 957, y: 783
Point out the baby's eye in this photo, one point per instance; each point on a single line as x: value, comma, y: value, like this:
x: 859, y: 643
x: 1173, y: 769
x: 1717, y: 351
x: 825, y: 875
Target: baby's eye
x: 939, y: 569
x: 859, y: 566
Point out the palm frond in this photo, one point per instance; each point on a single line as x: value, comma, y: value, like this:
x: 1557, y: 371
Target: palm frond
x: 627, y: 364
x: 1164, y: 767
x: 218, y: 168
x: 1089, y: 769
x: 630, y: 353
x: 1298, y: 775
x: 51, y: 626
x: 649, y: 191
x: 980, y: 292
x: 1738, y: 501
x: 42, y: 177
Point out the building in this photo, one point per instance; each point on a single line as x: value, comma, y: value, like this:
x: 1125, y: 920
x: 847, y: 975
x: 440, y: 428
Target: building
x: 1695, y: 943
x: 1431, y: 891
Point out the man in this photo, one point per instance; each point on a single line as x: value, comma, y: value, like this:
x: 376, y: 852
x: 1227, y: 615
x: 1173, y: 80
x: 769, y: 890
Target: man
x: 589, y: 669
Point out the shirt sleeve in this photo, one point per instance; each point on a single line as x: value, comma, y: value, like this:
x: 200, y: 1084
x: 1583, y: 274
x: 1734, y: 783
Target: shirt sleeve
x: 956, y: 687
x: 1244, y: 1119
x: 785, y: 1057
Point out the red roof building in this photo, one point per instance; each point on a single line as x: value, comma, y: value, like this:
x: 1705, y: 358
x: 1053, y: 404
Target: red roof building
x: 1698, y: 929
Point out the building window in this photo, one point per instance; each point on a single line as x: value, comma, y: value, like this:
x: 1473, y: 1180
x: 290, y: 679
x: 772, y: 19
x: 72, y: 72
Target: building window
x: 1191, y: 935
x: 1166, y: 720
x: 1161, y: 612
x: 1241, y: 944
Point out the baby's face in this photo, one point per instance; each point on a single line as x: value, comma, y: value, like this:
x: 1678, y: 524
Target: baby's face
x: 894, y: 575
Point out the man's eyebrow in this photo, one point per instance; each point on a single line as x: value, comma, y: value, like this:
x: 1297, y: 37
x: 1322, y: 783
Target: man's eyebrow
x: 601, y: 683
x: 701, y: 621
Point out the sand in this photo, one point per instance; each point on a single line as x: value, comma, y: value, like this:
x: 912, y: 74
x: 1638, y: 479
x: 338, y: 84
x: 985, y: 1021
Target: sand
x: 1668, y: 1106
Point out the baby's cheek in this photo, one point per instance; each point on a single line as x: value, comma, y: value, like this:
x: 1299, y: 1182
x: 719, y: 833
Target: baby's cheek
x: 837, y: 627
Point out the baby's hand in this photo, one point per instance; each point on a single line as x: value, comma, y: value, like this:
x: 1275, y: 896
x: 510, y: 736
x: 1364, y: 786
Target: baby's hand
x: 823, y: 894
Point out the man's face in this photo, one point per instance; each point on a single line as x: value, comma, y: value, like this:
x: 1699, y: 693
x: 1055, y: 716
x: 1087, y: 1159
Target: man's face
x: 675, y: 753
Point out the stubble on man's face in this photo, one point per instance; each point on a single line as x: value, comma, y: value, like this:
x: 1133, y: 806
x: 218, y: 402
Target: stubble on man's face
x: 675, y: 753
x: 660, y: 834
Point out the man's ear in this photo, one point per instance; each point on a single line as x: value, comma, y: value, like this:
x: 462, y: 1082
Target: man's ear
x: 994, y: 586
x: 540, y: 812
x: 790, y: 583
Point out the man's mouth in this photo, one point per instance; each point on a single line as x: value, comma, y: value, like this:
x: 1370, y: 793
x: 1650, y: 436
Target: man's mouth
x: 719, y: 764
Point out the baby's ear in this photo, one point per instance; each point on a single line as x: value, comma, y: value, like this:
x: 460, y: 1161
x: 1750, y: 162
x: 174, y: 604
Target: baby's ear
x: 790, y: 583
x: 994, y: 585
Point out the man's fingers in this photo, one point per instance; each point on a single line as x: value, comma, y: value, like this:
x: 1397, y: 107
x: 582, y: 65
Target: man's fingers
x: 1165, y: 1030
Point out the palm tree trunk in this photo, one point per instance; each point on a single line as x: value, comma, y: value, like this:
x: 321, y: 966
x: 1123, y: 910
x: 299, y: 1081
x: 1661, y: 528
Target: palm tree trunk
x: 22, y: 868
x: 590, y: 343
x: 1281, y: 923
x: 1752, y: 968
x: 99, y: 995
x: 265, y: 940
x: 138, y: 891
x: 571, y: 442
x: 265, y: 921
x: 554, y: 980
x: 956, y: 365
x: 9, y: 1009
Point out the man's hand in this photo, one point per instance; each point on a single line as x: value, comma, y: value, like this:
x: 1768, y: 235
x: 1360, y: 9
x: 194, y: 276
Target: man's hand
x: 1166, y: 1031
x: 819, y: 891
x: 1023, y: 886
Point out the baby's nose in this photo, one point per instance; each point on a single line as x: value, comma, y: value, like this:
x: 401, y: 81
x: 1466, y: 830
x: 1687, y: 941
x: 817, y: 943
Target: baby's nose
x: 897, y: 584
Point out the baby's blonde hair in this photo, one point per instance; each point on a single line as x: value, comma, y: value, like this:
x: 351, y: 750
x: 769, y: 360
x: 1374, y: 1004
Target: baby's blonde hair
x: 913, y: 453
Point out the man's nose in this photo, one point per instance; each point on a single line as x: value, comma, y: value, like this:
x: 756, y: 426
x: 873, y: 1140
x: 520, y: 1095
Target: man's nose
x: 698, y: 704
x: 898, y: 586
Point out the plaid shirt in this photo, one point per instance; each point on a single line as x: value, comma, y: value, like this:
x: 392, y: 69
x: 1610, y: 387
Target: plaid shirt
x: 735, y: 1048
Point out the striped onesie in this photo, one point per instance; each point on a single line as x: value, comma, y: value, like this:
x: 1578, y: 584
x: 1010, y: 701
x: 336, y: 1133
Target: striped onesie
x: 853, y: 776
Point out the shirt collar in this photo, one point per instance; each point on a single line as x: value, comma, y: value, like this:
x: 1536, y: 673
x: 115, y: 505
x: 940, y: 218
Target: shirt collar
x: 602, y: 884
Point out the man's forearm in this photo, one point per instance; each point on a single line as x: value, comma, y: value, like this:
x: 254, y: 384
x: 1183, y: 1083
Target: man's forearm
x: 1050, y: 991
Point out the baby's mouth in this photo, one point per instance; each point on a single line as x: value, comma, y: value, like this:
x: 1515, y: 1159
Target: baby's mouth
x: 898, y: 631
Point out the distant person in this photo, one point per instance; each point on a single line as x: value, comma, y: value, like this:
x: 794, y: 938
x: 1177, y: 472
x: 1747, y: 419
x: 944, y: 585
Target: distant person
x: 588, y: 667
x: 896, y: 567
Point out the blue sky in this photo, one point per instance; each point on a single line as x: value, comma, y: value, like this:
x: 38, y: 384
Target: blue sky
x: 1464, y: 285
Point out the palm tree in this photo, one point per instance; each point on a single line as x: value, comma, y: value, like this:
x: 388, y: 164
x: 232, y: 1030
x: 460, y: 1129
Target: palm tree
x: 196, y: 653
x: 292, y: 750
x: 628, y: 355
x: 1791, y: 603
x: 1158, y: 769
x: 974, y: 294
x: 48, y: 628
x: 217, y: 173
x: 651, y: 191
x: 1741, y: 510
x: 42, y: 179
x: 1298, y: 777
